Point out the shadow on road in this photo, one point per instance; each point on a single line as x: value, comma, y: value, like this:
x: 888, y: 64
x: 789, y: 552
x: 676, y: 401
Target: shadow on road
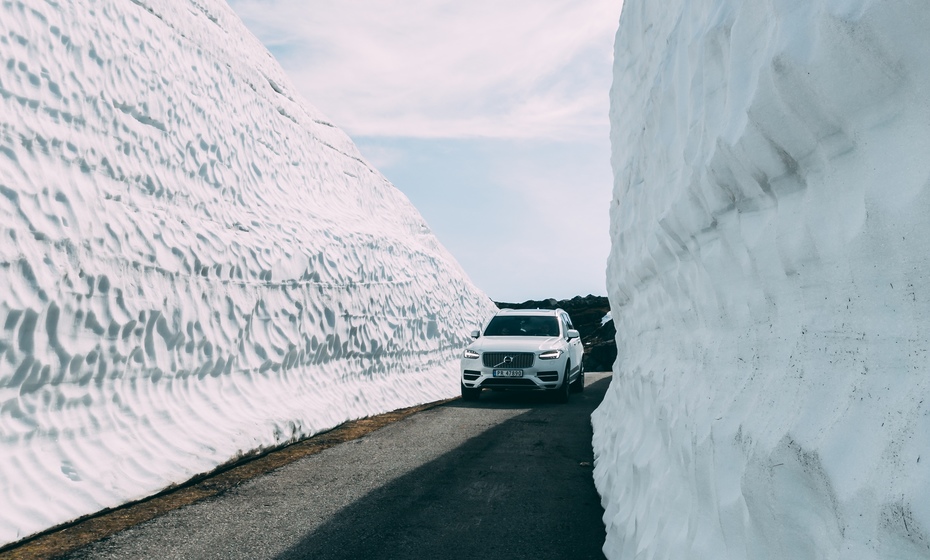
x: 523, y: 399
x: 522, y: 489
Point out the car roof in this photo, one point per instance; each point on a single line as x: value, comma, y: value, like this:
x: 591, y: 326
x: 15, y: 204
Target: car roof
x: 537, y: 312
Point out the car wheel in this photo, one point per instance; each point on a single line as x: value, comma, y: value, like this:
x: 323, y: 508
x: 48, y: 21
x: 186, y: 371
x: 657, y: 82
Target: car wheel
x: 578, y: 384
x: 470, y: 394
x: 562, y: 392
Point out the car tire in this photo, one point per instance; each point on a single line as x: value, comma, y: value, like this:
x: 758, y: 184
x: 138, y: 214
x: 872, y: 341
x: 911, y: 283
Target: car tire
x: 470, y: 393
x: 578, y: 384
x: 561, y: 395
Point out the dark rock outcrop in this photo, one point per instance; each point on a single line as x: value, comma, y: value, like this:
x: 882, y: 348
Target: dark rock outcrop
x: 600, y: 345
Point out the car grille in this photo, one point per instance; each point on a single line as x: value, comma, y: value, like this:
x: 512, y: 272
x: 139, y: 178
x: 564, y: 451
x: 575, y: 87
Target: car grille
x: 471, y: 375
x: 548, y: 376
x: 518, y: 359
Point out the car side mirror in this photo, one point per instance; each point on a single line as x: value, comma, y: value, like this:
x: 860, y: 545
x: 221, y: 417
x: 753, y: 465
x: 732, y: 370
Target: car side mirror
x: 572, y: 333
x: 475, y: 334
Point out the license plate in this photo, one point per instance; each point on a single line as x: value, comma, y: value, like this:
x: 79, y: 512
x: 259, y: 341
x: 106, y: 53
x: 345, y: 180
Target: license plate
x: 508, y: 373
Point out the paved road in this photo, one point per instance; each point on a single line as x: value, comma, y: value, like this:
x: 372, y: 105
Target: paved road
x: 508, y: 477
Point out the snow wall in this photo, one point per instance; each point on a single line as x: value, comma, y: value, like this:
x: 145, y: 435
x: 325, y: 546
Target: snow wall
x: 770, y: 282
x: 194, y: 263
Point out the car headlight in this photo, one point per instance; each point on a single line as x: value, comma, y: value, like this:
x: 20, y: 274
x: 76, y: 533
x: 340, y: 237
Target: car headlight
x: 550, y: 355
x: 470, y: 354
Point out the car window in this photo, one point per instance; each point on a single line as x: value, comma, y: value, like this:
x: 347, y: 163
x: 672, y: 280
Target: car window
x: 567, y: 320
x: 526, y: 325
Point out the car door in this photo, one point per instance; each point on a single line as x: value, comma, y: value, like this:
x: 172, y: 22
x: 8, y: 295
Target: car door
x: 576, y: 348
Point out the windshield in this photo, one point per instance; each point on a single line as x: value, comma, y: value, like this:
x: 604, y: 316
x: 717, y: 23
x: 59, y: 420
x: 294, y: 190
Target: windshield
x: 527, y: 325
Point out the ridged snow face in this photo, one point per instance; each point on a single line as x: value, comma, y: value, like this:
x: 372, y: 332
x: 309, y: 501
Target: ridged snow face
x: 194, y: 263
x: 769, y: 282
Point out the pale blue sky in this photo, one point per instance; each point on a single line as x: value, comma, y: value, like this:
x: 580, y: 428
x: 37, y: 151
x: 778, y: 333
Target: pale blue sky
x: 492, y: 117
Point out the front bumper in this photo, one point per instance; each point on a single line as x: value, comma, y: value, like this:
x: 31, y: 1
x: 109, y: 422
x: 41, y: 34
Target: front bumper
x: 544, y: 375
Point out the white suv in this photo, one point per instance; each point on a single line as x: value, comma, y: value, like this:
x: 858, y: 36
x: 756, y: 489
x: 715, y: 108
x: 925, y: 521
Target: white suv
x: 524, y: 350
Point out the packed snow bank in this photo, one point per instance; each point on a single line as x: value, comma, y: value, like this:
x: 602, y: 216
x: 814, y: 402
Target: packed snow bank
x: 194, y: 263
x: 769, y: 282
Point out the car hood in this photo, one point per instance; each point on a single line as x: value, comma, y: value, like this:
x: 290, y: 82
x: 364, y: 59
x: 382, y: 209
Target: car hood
x: 517, y: 343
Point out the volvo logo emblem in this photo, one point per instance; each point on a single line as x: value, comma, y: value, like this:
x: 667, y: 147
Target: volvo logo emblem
x: 506, y: 360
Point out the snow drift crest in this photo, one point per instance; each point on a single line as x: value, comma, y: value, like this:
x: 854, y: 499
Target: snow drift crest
x: 769, y: 282
x: 194, y: 263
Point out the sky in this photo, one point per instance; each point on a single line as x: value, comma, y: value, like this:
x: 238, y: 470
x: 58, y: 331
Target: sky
x: 492, y: 117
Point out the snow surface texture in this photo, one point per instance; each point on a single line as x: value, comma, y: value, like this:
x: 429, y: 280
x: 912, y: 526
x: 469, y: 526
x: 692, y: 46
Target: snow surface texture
x: 769, y: 282
x: 194, y: 263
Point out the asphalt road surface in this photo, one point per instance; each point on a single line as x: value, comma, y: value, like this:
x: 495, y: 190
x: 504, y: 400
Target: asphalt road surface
x: 506, y: 477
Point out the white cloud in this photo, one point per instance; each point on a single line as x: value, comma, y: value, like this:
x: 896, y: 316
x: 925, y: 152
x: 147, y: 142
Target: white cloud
x: 566, y: 204
x: 492, y: 116
x: 444, y: 68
